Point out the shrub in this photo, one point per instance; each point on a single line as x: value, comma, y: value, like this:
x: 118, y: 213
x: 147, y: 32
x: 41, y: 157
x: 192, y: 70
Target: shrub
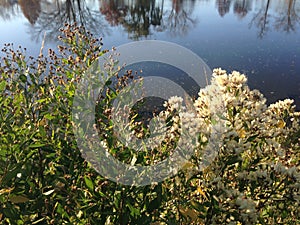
x: 244, y: 170
x: 254, y: 175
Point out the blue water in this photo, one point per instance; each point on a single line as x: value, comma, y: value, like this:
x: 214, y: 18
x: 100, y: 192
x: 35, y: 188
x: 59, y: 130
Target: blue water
x: 258, y: 37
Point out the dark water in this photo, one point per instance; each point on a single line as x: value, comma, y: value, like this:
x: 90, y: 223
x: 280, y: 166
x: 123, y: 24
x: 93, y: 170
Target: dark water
x: 258, y: 37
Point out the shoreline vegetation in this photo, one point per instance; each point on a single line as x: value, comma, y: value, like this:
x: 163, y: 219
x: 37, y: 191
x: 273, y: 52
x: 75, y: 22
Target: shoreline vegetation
x: 44, y: 179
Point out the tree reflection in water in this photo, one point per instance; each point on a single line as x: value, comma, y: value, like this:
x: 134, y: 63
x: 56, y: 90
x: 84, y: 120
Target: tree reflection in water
x: 114, y: 11
x: 141, y: 18
x: 179, y: 19
x: 137, y: 20
x: 31, y: 9
x: 261, y: 20
x: 59, y: 12
x: 288, y: 18
x: 138, y: 17
x: 223, y: 6
x: 242, y: 7
x: 9, y: 9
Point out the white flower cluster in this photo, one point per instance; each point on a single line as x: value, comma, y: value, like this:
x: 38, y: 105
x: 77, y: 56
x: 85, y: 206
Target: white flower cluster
x: 255, y: 170
x: 246, y: 154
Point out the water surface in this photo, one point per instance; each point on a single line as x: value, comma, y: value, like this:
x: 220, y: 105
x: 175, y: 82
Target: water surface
x: 258, y: 37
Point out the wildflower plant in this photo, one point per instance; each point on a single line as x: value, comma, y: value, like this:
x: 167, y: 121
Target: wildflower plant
x: 244, y: 168
x: 254, y: 178
x: 43, y: 178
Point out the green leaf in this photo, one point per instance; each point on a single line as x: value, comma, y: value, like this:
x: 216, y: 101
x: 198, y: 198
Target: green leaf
x: 196, y: 205
x: 41, y: 100
x: 2, y: 85
x: 11, y: 212
x: 133, y: 211
x: 23, y: 78
x: 89, y: 183
x: 252, y: 138
x: 233, y: 159
x: 11, y: 174
x: 59, y: 208
x: 154, y: 204
x: 42, y: 131
x: 36, y: 145
x: 49, y: 117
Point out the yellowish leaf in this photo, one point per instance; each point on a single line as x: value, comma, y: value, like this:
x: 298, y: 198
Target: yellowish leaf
x: 281, y: 124
x: 187, y: 166
x: 79, y: 214
x: 242, y: 133
x: 188, y: 213
x: 200, y: 191
x: 42, y: 122
x: 18, y: 199
x: 5, y: 191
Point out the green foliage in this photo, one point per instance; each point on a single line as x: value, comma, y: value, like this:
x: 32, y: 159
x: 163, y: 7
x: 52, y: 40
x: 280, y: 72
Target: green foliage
x: 43, y: 177
x: 45, y: 180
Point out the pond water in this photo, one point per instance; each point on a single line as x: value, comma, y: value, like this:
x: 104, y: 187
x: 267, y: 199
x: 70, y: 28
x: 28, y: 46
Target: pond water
x: 258, y: 37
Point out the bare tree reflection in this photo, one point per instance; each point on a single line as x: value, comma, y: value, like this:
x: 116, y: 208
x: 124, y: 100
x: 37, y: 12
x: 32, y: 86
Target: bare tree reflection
x: 261, y: 20
x: 141, y: 18
x: 223, y: 6
x: 288, y: 18
x: 9, y: 9
x: 57, y: 13
x: 179, y: 20
x: 156, y: 13
x: 242, y: 7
